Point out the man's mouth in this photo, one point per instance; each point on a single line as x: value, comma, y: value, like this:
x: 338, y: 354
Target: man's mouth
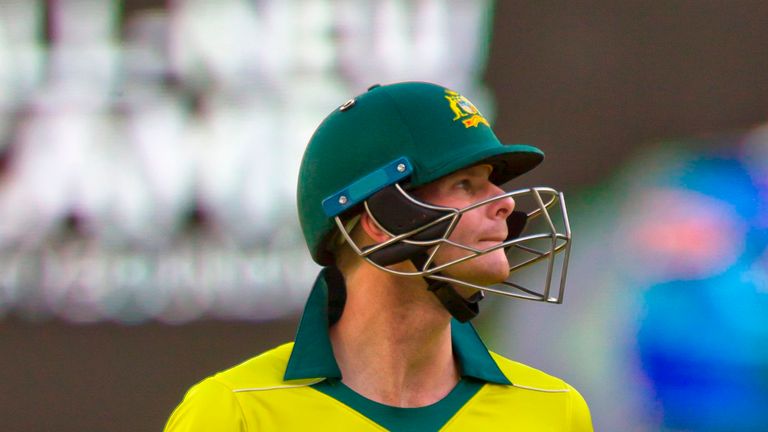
x: 494, y: 239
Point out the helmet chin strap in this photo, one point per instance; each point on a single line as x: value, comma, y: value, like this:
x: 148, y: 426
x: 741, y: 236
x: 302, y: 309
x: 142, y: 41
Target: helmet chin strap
x: 392, y: 210
x: 463, y: 309
x: 398, y: 214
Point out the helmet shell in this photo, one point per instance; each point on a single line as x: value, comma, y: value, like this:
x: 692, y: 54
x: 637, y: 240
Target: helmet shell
x: 438, y: 130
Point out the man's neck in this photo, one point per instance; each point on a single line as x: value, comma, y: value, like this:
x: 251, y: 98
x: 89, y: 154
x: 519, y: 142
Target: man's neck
x: 393, y: 341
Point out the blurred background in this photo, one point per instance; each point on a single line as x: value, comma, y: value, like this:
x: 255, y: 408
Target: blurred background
x: 148, y: 158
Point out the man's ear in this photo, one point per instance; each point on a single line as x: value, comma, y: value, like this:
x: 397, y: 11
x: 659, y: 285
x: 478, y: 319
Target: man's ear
x: 372, y: 228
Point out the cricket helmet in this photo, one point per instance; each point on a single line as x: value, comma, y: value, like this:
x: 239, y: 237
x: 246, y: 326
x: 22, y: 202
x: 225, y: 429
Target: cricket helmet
x: 375, y: 148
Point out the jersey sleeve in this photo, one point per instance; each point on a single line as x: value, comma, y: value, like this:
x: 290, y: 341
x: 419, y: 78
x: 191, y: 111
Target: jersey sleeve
x: 208, y: 406
x: 581, y: 420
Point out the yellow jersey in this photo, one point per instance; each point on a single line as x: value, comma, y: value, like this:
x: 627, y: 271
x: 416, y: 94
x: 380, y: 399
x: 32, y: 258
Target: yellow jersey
x: 297, y: 387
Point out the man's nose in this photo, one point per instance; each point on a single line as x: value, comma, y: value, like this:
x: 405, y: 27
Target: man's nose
x: 502, y: 207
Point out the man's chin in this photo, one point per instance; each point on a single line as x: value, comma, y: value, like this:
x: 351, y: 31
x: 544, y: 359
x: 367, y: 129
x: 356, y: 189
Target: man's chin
x: 481, y: 271
x: 490, y: 280
x: 468, y: 291
x: 482, y: 278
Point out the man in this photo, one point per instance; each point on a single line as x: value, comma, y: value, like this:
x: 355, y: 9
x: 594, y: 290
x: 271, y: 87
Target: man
x: 399, y: 200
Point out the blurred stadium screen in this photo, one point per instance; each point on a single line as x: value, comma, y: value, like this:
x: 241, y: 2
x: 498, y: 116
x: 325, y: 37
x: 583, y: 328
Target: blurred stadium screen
x: 150, y: 160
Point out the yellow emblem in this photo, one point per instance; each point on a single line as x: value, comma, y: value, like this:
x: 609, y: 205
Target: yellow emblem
x: 464, y: 110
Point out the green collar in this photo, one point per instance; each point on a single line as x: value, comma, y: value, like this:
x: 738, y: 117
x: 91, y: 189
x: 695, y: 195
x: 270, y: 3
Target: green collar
x: 312, y: 355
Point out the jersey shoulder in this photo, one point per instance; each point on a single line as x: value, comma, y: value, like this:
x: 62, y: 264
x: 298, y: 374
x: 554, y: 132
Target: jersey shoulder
x: 262, y: 372
x: 527, y: 377
x: 215, y: 402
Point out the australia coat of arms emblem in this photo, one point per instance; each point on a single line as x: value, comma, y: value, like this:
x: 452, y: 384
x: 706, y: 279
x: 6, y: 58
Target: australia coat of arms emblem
x: 464, y: 110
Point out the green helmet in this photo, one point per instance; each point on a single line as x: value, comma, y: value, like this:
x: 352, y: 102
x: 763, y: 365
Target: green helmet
x: 370, y: 152
x: 431, y: 129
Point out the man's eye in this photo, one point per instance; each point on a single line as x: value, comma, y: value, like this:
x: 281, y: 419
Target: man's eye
x: 464, y: 184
